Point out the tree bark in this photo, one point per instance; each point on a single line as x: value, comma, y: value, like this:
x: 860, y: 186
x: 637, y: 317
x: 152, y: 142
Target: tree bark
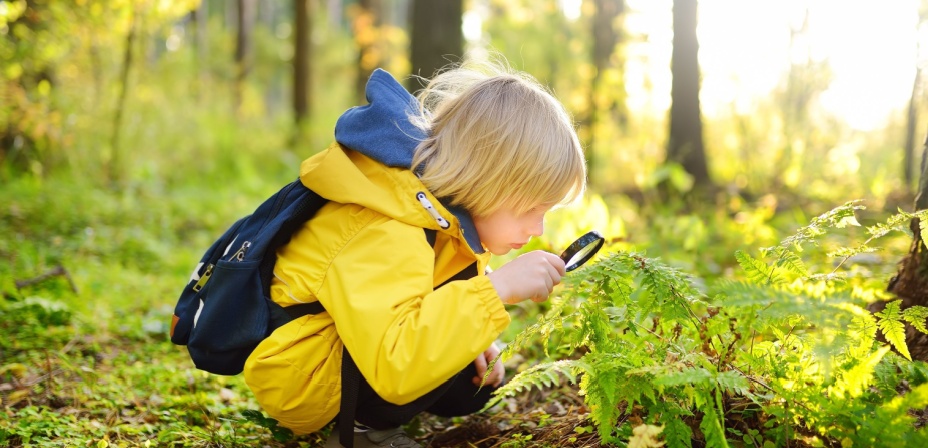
x: 114, y: 163
x: 366, y: 25
x: 301, y: 73
x: 686, y: 141
x: 908, y: 162
x: 436, y: 36
x: 605, y: 39
x: 243, y: 48
x: 910, y: 284
x: 200, y: 17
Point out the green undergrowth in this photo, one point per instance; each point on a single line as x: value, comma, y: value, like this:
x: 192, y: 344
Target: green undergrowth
x: 782, y: 353
x: 90, y: 272
x: 89, y: 276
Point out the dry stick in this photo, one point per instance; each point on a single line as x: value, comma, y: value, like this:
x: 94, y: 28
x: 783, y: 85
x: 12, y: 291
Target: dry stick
x: 56, y: 271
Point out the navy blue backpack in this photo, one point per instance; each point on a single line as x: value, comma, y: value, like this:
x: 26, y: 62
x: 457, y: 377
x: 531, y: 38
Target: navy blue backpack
x: 225, y: 309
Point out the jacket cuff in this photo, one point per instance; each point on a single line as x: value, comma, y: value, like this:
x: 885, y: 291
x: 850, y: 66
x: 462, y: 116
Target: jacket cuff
x: 497, y: 316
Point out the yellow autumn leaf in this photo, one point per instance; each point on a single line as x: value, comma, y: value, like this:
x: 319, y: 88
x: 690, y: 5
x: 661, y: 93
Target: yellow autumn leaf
x: 645, y: 436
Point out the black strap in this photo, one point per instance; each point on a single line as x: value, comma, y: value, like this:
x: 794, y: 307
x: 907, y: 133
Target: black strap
x: 430, y: 235
x: 351, y: 385
x: 351, y: 381
x: 303, y: 309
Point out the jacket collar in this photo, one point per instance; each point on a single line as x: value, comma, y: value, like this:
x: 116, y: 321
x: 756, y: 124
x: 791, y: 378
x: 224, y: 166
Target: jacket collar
x: 383, y: 130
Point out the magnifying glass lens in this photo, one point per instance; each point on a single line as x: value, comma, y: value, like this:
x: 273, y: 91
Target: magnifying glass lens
x: 582, y: 250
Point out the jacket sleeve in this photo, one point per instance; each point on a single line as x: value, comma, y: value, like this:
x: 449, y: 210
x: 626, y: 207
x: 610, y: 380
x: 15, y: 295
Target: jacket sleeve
x: 405, y: 337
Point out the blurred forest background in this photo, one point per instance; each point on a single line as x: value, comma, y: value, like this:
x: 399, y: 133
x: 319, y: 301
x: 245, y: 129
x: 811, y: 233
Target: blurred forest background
x: 132, y: 132
x: 815, y: 99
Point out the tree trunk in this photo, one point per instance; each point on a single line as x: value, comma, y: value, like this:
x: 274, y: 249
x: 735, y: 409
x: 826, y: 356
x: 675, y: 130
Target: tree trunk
x: 113, y: 165
x: 605, y: 39
x: 686, y: 144
x: 908, y: 162
x: 200, y: 17
x: 301, y: 76
x: 366, y: 26
x: 436, y: 36
x: 910, y: 284
x: 243, y: 48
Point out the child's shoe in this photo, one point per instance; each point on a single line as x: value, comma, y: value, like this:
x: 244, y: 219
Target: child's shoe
x: 395, y: 437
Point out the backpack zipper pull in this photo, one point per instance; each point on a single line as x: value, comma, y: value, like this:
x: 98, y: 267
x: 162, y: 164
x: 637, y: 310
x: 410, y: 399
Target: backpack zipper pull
x: 240, y: 253
x: 203, y: 279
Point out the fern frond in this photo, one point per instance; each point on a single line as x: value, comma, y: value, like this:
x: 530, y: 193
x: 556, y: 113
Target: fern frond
x: 830, y: 277
x: 743, y: 294
x: 712, y: 424
x: 756, y: 270
x: 538, y: 376
x: 671, y: 289
x: 734, y: 382
x: 848, y: 252
x: 838, y: 217
x: 677, y: 433
x: 916, y: 316
x: 547, y: 325
x: 895, y: 223
x: 855, y: 380
x: 890, y: 323
x: 923, y: 228
x: 863, y: 326
x: 791, y: 261
x: 697, y: 376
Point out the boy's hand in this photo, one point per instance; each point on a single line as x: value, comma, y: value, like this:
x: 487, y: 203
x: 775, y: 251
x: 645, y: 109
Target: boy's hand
x: 532, y: 275
x: 483, y: 361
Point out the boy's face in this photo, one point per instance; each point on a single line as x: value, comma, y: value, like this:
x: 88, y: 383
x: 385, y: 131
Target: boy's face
x: 505, y: 230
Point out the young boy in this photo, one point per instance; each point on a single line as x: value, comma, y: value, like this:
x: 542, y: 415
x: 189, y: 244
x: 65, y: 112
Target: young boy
x: 477, y: 161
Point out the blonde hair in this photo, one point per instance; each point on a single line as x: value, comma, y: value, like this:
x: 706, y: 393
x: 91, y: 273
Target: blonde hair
x: 496, y: 138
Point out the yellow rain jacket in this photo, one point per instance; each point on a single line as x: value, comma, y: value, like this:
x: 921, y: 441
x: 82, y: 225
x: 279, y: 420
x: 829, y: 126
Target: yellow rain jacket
x: 365, y: 257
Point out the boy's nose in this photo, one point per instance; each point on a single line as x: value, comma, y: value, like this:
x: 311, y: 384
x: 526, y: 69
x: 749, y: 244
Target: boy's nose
x: 537, y: 229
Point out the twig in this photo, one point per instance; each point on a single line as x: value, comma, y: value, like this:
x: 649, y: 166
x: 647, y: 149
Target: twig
x: 56, y: 271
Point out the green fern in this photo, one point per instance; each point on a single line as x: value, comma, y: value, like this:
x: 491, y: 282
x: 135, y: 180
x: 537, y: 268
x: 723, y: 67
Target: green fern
x: 890, y: 323
x: 916, y: 316
x: 792, y: 343
x: 791, y: 261
x: 839, y: 217
x: 539, y: 376
x: 757, y: 271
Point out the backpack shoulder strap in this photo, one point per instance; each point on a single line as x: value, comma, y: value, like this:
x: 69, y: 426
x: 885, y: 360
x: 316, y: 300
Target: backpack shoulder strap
x: 303, y: 309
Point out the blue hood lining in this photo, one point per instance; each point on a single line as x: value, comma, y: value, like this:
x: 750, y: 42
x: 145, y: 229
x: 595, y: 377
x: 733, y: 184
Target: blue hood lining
x: 383, y: 131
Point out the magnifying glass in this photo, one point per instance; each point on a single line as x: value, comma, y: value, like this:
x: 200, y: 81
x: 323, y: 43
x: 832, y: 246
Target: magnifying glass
x: 582, y: 250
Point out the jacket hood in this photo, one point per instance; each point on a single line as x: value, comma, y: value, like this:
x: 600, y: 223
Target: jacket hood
x: 383, y: 130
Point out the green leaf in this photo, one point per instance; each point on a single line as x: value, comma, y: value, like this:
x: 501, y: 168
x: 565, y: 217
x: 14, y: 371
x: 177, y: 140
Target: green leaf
x: 538, y: 376
x: 923, y: 230
x: 253, y: 416
x: 792, y: 262
x: 693, y: 375
x: 282, y: 434
x: 916, y: 316
x: 858, y: 378
x: 847, y: 220
x: 893, y: 328
x: 756, y: 270
x: 732, y: 381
